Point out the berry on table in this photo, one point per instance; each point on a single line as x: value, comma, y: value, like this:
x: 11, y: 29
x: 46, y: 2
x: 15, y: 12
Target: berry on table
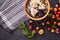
x: 37, y: 28
x: 48, y: 28
x: 54, y: 22
x: 53, y: 16
x: 58, y: 18
x: 30, y: 21
x: 34, y: 30
x: 57, y: 30
x: 52, y: 30
x: 59, y: 8
x: 43, y: 24
x: 57, y: 15
x: 57, y: 5
x: 55, y: 9
x: 51, y: 8
x: 55, y: 12
x: 59, y: 24
x: 30, y: 27
x: 48, y: 22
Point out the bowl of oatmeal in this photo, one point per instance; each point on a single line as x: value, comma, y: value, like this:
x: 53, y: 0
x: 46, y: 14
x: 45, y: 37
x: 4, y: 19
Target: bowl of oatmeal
x: 37, y: 9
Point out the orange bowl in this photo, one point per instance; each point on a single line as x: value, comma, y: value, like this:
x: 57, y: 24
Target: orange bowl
x: 33, y: 18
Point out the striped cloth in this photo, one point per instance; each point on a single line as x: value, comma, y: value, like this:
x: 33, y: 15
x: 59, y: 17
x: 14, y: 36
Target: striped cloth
x: 13, y: 15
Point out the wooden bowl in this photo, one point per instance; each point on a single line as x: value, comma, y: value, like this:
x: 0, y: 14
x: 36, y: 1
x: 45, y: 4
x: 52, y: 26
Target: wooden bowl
x: 33, y: 18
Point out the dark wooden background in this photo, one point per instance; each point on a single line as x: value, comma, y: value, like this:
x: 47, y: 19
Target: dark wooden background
x: 17, y: 34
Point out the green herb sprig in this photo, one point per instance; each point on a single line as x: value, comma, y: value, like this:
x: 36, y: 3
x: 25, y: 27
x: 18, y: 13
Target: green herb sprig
x: 25, y: 31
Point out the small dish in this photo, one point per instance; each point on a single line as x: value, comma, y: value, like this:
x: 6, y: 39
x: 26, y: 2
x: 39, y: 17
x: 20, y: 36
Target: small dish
x: 43, y: 8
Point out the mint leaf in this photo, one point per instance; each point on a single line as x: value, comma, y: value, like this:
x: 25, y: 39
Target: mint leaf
x: 21, y: 26
x: 31, y: 35
x: 53, y: 26
x: 25, y: 32
x: 50, y: 15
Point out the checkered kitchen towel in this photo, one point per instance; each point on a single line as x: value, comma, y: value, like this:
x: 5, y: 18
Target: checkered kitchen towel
x: 13, y: 15
x: 8, y: 3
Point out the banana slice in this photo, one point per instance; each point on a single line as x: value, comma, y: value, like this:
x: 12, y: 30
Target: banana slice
x: 41, y: 32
